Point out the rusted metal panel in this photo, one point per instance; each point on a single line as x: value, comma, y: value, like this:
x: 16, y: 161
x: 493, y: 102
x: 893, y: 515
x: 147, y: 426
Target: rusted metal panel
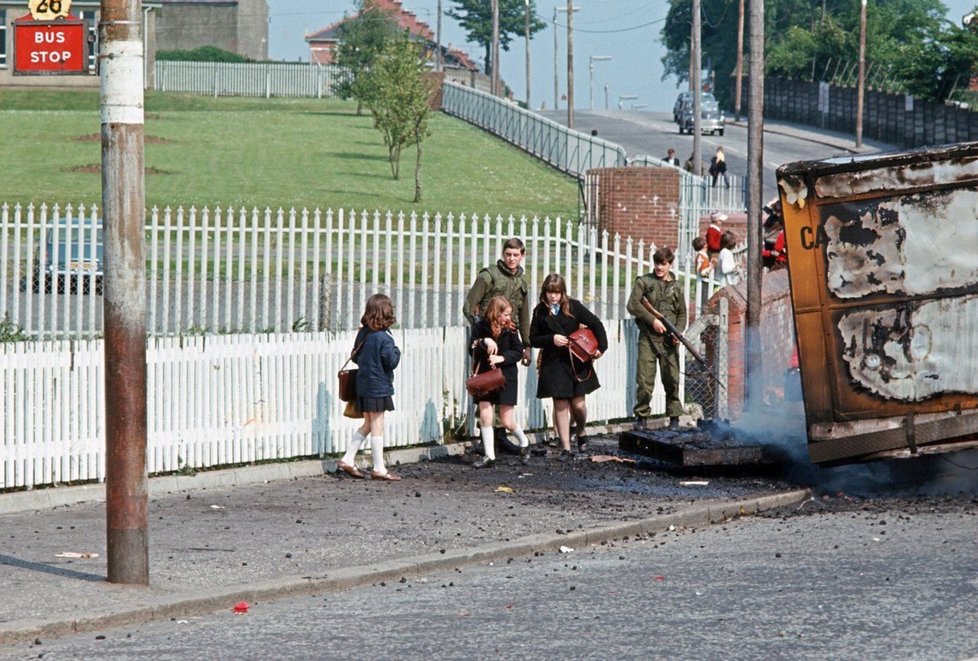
x: 885, y: 294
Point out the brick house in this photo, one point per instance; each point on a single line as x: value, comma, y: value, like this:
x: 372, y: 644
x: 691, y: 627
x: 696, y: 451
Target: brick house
x: 323, y: 43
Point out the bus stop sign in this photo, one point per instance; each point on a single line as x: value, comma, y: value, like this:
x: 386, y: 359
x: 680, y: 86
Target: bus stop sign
x: 58, y: 47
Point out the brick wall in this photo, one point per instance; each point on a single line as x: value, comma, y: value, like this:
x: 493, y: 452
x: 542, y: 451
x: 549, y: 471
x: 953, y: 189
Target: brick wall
x: 640, y: 202
x: 777, y: 338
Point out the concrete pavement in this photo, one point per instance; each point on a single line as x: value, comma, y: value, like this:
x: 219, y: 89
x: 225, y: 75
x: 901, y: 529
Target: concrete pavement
x: 259, y: 533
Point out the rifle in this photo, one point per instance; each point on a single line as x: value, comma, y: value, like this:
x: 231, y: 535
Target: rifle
x: 671, y: 328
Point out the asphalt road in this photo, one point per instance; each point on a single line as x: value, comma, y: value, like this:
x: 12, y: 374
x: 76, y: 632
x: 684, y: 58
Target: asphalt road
x: 647, y: 133
x: 835, y: 578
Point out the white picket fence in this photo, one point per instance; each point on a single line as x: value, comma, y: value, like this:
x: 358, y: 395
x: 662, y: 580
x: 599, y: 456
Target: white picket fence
x: 230, y: 399
x: 250, y: 271
x: 261, y: 79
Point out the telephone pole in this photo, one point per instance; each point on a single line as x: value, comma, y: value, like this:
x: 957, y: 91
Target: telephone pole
x: 755, y: 174
x: 124, y: 301
x: 495, y: 47
x: 526, y: 36
x: 570, y: 64
x: 861, y: 87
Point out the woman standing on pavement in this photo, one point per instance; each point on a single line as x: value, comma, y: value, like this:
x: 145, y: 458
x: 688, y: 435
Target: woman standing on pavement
x: 376, y: 357
x: 496, y: 344
x: 563, y: 378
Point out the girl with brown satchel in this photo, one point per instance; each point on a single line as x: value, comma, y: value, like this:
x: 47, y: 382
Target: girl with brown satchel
x: 496, y: 345
x: 563, y: 376
x: 376, y: 356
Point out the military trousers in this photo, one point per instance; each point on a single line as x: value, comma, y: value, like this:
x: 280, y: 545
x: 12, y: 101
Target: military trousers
x: 655, y: 357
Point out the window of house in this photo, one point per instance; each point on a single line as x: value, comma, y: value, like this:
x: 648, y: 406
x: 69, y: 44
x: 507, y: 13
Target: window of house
x: 3, y: 38
x: 92, y: 17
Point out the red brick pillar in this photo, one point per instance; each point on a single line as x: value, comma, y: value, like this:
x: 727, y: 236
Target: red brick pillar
x: 639, y: 202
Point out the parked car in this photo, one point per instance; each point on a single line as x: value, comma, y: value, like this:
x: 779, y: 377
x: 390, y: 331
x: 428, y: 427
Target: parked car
x: 69, y: 260
x: 711, y: 118
x: 678, y: 105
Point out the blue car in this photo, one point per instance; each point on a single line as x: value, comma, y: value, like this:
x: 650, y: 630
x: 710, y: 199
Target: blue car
x: 69, y: 260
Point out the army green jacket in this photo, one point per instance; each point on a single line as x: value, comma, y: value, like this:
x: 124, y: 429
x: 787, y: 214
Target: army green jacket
x: 497, y: 280
x: 666, y: 296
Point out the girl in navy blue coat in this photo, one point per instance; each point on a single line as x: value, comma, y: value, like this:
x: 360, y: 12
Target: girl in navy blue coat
x: 376, y: 357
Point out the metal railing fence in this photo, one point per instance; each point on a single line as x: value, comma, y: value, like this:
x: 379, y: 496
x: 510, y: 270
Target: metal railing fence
x: 565, y: 149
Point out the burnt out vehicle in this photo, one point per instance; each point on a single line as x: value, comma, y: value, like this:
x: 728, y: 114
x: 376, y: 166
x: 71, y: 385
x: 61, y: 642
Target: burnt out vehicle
x: 884, y: 288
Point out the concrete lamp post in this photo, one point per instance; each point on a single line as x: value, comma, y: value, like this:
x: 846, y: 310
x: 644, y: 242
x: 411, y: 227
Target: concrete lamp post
x: 592, y: 60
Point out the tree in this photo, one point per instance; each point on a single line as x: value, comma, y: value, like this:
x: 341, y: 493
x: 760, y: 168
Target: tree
x: 400, y: 101
x: 812, y: 40
x: 475, y: 17
x: 361, y: 39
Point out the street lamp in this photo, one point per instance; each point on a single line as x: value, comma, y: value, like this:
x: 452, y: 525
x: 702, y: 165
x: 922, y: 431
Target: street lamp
x: 625, y: 97
x: 593, y: 59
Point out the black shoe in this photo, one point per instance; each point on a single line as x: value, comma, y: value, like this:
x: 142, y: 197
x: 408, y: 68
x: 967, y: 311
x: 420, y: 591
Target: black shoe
x: 582, y: 443
x: 485, y: 462
x: 566, y: 455
x: 525, y: 455
x: 674, y: 423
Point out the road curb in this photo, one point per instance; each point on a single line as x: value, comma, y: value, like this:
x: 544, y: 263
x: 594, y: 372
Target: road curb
x: 217, y: 599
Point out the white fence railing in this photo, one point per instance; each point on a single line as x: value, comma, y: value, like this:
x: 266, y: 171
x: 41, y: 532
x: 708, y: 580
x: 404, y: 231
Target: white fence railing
x: 246, y: 271
x: 231, y: 399
x: 567, y: 150
x: 262, y: 79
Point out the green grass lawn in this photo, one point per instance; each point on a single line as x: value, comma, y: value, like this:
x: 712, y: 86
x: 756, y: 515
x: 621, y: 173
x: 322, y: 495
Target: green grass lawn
x: 302, y: 153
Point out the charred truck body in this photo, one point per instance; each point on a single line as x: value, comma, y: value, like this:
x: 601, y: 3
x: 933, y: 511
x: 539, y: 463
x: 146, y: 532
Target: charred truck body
x: 884, y: 285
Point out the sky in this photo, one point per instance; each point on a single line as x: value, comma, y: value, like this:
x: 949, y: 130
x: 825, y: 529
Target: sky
x: 628, y: 31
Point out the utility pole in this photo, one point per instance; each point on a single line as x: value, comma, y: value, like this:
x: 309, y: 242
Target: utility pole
x: 740, y: 59
x: 861, y: 87
x: 124, y: 301
x: 526, y: 37
x: 570, y: 64
x: 695, y: 70
x: 495, y: 47
x: 755, y: 174
x: 440, y: 59
x: 556, y: 90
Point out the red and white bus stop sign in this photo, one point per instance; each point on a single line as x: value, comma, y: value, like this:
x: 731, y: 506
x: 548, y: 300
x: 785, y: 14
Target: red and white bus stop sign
x: 58, y: 47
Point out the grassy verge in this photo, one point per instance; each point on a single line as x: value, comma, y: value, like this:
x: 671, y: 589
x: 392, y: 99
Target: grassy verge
x: 302, y: 153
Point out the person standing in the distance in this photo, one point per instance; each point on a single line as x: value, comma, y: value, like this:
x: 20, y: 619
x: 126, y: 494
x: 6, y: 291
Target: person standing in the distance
x: 671, y: 157
x: 496, y: 345
x: 505, y: 278
x: 704, y: 268
x: 728, y: 272
x: 376, y: 359
x: 718, y: 167
x: 562, y: 378
x: 657, y: 347
x: 714, y: 232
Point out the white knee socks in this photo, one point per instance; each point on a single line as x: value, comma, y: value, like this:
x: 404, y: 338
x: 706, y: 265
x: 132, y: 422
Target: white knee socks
x: 521, y: 437
x: 488, y: 442
x: 351, y: 450
x: 377, y: 452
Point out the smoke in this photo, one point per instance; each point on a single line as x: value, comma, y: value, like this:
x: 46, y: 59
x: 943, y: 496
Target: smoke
x: 779, y: 425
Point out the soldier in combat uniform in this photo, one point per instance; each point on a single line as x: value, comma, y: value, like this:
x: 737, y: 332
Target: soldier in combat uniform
x: 656, y: 346
x: 504, y: 278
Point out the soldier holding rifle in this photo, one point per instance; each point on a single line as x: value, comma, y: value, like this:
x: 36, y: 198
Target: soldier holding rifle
x: 656, y: 299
